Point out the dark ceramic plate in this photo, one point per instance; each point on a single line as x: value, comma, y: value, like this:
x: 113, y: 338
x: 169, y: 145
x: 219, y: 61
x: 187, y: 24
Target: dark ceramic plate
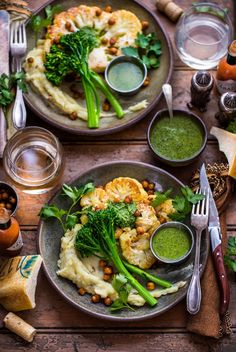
x: 152, y: 93
x: 50, y: 233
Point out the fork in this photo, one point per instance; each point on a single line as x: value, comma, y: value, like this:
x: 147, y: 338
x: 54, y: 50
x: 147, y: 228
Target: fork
x: 18, y: 48
x: 199, y: 220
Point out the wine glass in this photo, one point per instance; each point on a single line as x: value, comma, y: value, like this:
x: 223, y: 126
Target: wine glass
x: 202, y: 35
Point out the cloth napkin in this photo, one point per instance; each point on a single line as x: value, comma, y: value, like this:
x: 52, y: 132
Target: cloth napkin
x: 207, y: 321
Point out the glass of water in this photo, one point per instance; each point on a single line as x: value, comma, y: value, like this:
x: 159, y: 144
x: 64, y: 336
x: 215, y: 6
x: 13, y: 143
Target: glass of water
x: 202, y: 35
x: 33, y: 160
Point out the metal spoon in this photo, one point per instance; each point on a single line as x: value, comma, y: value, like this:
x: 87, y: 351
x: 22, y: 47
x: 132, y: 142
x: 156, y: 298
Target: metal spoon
x: 167, y: 91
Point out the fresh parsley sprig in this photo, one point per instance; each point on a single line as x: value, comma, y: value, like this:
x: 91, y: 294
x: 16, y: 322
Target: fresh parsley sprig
x: 148, y: 49
x: 7, y: 83
x: 38, y: 23
x: 67, y: 219
x: 230, y: 257
x: 182, y: 202
x: 123, y: 288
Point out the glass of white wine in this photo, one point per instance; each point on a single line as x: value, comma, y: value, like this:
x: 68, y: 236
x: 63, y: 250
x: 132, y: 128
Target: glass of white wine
x: 202, y: 35
x: 33, y: 160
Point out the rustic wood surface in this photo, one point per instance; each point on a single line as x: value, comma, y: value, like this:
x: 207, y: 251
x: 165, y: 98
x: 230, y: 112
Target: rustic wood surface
x: 60, y: 326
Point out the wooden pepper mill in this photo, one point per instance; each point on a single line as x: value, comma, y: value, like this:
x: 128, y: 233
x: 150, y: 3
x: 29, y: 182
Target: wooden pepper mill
x: 171, y: 10
x: 201, y: 86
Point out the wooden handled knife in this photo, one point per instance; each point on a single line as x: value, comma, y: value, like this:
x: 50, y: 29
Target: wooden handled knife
x: 4, y: 68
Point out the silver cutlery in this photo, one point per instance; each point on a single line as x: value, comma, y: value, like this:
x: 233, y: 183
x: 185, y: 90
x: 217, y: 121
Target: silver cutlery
x: 199, y: 220
x: 18, y: 46
x: 4, y: 68
x: 216, y: 245
x: 167, y: 91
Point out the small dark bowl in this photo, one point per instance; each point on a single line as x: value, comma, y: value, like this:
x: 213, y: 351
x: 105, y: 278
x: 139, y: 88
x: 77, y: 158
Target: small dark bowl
x: 12, y: 192
x: 182, y: 162
x: 172, y: 224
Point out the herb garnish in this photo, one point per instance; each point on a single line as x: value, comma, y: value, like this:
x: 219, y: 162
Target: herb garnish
x: 182, y: 203
x: 67, y: 219
x: 7, y: 83
x: 148, y: 49
x: 38, y: 23
x: 123, y: 288
x: 230, y: 257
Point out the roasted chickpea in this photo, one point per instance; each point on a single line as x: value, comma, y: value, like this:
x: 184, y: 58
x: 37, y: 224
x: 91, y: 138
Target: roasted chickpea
x: 113, y: 51
x: 145, y: 184
x: 5, y: 195
x: 73, y: 116
x: 150, y: 285
x: 145, y: 24
x: 8, y: 206
x: 82, y: 291
x: 98, y: 12
x: 111, y: 21
x: 146, y: 82
x: 140, y: 230
x: 137, y: 213
x: 104, y: 41
x: 96, y: 298
x: 108, y: 270
x: 113, y: 40
x: 118, y: 232
x: 162, y: 219
x: 12, y: 200
x: 2, y: 205
x: 150, y: 192
x: 151, y: 185
x: 108, y: 9
x: 102, y: 263
x: 107, y: 301
x: 106, y: 106
x: 68, y: 26
x: 127, y: 199
x: 30, y: 60
x: 106, y: 277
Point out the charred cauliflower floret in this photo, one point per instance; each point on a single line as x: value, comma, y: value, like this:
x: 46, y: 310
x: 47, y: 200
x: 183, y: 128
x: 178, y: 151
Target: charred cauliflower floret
x: 98, y: 198
x: 136, y: 249
x: 122, y: 187
x: 147, y: 219
x: 164, y: 210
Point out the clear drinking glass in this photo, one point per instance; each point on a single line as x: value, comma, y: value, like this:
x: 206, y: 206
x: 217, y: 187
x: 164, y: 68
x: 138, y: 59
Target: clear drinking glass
x: 202, y: 35
x: 33, y: 160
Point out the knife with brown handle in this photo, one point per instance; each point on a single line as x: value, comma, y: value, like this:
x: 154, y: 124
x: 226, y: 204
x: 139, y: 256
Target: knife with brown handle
x: 4, y: 68
x: 216, y: 244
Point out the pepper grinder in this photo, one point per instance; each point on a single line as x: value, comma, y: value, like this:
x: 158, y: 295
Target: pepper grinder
x: 201, y: 87
x: 227, y: 108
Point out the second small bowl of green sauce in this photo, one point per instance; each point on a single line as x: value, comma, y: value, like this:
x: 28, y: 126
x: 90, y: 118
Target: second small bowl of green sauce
x: 177, y: 141
x: 172, y: 242
x: 125, y: 74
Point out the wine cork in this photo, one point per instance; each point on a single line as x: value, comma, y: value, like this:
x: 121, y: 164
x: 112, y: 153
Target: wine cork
x: 171, y: 10
x: 19, y: 327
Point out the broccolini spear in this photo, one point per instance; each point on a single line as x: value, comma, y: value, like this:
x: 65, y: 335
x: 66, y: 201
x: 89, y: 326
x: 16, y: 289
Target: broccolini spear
x: 98, y: 237
x: 71, y: 55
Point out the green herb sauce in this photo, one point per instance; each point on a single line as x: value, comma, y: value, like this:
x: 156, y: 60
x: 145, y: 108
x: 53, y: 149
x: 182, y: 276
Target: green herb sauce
x: 177, y: 138
x: 125, y: 76
x: 171, y: 243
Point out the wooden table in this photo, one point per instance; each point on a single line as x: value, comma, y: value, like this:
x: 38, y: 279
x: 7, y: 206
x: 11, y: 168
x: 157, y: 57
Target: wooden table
x: 61, y: 327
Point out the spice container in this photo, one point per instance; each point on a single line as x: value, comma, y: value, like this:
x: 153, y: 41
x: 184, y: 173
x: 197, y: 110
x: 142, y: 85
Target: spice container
x: 201, y: 86
x: 227, y: 108
x: 8, y: 198
x: 226, y: 71
x: 10, y: 236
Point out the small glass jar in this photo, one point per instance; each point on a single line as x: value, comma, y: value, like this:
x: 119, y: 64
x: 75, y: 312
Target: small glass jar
x: 33, y: 160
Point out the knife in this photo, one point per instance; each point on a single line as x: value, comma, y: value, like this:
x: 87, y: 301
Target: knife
x: 216, y: 244
x: 4, y: 68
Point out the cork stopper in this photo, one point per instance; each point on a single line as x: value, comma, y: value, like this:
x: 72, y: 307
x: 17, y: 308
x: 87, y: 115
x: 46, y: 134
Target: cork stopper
x: 232, y: 48
x: 172, y: 11
x: 19, y: 327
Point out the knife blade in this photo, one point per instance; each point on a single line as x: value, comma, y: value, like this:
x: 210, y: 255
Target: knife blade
x: 4, y: 68
x: 216, y: 244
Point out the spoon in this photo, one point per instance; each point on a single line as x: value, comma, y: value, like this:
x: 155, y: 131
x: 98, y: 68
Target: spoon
x: 167, y: 91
